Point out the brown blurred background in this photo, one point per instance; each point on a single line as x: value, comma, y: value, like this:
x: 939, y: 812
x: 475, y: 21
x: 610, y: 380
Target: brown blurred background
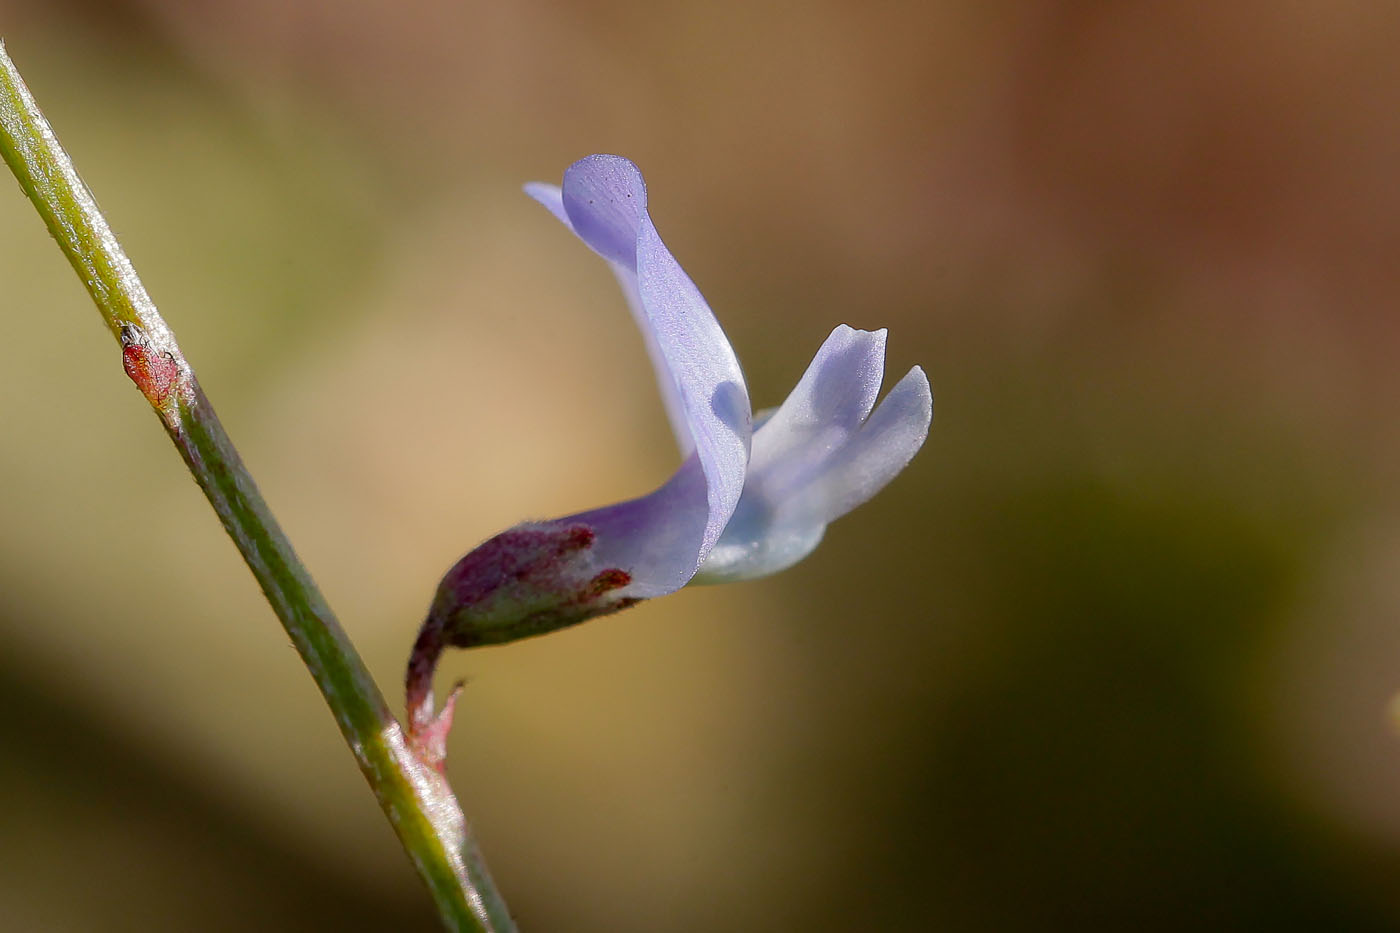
x: 1114, y: 653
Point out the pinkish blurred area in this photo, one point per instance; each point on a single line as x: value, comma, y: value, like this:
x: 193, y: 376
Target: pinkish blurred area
x: 1116, y: 652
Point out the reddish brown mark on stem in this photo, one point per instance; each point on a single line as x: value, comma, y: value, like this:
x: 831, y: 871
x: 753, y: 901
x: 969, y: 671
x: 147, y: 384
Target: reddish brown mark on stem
x: 155, y: 372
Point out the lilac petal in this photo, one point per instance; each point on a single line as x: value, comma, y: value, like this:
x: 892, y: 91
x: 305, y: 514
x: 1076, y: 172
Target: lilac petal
x: 657, y: 539
x: 819, y: 456
x: 829, y: 404
x: 661, y: 539
x: 876, y: 455
x: 670, y: 395
x: 552, y: 197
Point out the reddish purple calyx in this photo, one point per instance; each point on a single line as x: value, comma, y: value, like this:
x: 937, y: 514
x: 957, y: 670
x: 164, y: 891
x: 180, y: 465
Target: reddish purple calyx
x: 528, y: 580
x: 155, y: 372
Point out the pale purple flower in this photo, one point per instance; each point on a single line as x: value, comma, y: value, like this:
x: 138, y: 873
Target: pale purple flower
x: 747, y: 500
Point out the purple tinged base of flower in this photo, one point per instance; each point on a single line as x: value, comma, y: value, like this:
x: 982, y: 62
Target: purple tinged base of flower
x: 531, y: 578
x: 528, y: 580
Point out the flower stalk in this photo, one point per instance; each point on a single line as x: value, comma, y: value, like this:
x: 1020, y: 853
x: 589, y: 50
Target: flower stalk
x: 414, y: 796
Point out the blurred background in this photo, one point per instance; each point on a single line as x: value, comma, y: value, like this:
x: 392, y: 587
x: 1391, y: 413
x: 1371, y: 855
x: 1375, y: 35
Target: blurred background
x: 1116, y: 651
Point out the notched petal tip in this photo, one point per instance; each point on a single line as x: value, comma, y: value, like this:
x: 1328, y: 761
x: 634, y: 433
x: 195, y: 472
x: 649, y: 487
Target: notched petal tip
x: 840, y: 385
x: 875, y: 455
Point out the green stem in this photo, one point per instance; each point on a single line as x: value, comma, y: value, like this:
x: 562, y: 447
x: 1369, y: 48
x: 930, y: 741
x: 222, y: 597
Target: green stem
x: 415, y: 797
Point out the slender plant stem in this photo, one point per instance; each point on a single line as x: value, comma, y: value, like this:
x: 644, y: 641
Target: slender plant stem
x: 415, y: 796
